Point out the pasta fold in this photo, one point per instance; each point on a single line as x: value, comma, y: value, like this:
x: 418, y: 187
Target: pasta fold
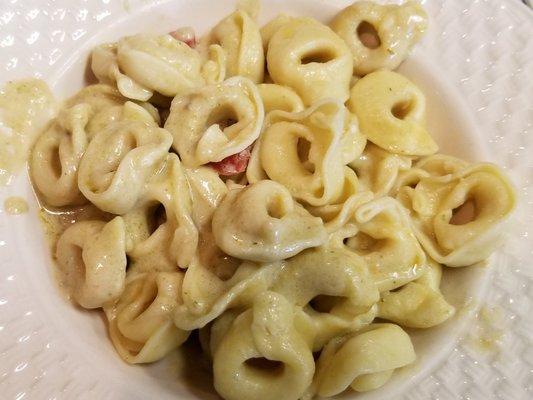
x: 91, y: 257
x: 380, y: 36
x: 262, y: 222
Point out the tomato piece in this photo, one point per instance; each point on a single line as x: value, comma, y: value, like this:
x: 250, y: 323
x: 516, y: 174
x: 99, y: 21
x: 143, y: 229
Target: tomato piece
x: 185, y: 35
x: 234, y: 164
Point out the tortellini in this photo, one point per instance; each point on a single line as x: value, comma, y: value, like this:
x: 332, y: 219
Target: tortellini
x: 262, y: 355
x: 364, y: 361
x: 304, y: 151
x: 419, y: 304
x: 56, y: 156
x: 140, y: 323
x: 277, y: 97
x: 276, y: 189
x: 392, y: 113
x: 141, y: 65
x: 381, y: 233
x: 92, y: 261
x: 262, y: 222
x: 377, y: 169
x: 433, y: 201
x: 216, y: 121
x: 239, y: 37
x: 310, y: 58
x: 380, y: 36
x: 118, y: 161
x: 172, y: 243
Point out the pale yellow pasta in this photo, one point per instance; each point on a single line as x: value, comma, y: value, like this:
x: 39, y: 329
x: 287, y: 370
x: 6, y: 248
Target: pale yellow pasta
x: 392, y: 113
x: 140, y: 322
x: 276, y: 189
x: 381, y: 233
x: 129, y: 111
x: 142, y: 64
x: 304, y: 152
x: 214, y: 68
x: 335, y: 284
x: 56, y: 156
x: 482, y: 200
x: 380, y: 36
x: 265, y: 332
x: 341, y: 210
x: 213, y: 286
x: 100, y: 97
x: 277, y: 97
x: 419, y: 304
x: 262, y: 222
x: 364, y: 360
x: 173, y: 243
x: 310, y: 58
x: 377, y: 169
x: 239, y: 37
x: 207, y: 191
x: 216, y: 121
x: 118, y: 161
x: 92, y: 261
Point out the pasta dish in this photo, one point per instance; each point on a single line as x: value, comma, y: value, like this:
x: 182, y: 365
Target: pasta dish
x: 273, y: 191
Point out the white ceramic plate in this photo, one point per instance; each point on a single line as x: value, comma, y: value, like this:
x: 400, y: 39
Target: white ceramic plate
x: 475, y: 65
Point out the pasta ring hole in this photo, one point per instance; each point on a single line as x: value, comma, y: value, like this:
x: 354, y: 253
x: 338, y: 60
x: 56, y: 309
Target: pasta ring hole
x: 324, y: 303
x: 319, y: 56
x: 158, y: 216
x: 465, y: 213
x: 147, y: 296
x: 364, y: 244
x: 224, y: 116
x: 264, y: 366
x: 275, y: 207
x: 368, y: 35
x: 303, y: 148
x: 55, y: 162
x: 402, y: 109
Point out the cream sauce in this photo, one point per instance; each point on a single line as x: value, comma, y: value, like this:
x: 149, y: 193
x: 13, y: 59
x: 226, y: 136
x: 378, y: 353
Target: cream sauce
x: 26, y: 107
x: 15, y: 205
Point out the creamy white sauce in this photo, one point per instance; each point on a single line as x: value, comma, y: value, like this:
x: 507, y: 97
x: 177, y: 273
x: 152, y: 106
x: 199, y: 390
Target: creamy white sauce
x: 26, y: 107
x: 15, y: 205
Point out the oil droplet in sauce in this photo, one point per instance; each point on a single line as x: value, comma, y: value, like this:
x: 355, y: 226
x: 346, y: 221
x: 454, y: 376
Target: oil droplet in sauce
x: 15, y: 205
x: 26, y: 107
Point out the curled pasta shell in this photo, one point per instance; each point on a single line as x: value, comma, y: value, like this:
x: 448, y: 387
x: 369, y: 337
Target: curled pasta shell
x: 142, y: 64
x: 207, y: 191
x: 262, y: 222
x: 377, y: 169
x: 129, y: 111
x: 56, y: 156
x: 304, y: 151
x: 310, y: 58
x: 437, y: 203
x: 335, y: 284
x: 277, y: 97
x: 381, y: 233
x: 215, y: 121
x: 140, y: 323
x: 92, y: 261
x: 397, y: 29
x: 100, y: 97
x: 392, y: 113
x: 419, y: 304
x: 210, y: 290
x: 267, y: 333
x: 364, y: 360
x: 239, y: 37
x: 172, y: 243
x: 118, y: 161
